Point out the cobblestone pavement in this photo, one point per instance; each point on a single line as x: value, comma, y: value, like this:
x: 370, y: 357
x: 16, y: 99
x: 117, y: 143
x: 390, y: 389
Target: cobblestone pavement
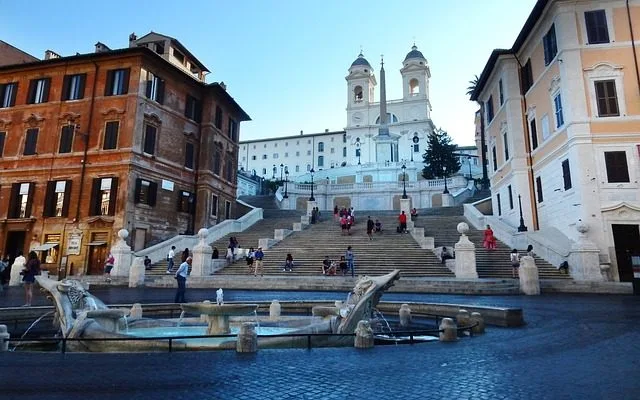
x: 573, y: 347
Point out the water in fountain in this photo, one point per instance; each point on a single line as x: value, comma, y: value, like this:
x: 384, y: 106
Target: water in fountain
x: 255, y: 313
x: 180, y: 319
x: 30, y: 327
x: 126, y: 323
x: 379, y: 315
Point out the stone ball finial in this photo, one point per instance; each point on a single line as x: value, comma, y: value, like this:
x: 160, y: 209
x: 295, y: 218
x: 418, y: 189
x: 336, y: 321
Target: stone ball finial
x: 582, y: 227
x: 202, y: 233
x: 123, y: 234
x: 463, y: 228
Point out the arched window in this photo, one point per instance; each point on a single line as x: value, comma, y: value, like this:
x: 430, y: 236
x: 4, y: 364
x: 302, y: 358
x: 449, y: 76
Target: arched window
x: 308, y: 167
x: 320, y: 147
x: 264, y: 171
x: 414, y: 87
x: 320, y: 161
x: 357, y: 94
x: 391, y: 119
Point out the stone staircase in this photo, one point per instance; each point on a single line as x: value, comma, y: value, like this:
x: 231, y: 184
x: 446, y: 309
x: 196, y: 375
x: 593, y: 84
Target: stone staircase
x: 389, y: 250
x: 489, y: 263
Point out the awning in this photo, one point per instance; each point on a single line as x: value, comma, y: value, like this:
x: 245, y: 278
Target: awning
x: 45, y: 247
x: 96, y: 243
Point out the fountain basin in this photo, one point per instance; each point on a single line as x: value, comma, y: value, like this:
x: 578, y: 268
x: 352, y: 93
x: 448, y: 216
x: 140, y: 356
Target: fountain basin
x: 217, y: 315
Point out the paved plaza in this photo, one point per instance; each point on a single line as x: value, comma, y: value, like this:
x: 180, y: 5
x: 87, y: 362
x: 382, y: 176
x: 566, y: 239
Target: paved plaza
x: 573, y: 347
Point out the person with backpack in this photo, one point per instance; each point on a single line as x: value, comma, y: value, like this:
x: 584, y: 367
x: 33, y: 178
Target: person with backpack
x: 29, y: 276
x: 172, y: 253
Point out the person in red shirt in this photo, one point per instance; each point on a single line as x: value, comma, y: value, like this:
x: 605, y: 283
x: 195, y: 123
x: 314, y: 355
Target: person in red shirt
x: 403, y: 222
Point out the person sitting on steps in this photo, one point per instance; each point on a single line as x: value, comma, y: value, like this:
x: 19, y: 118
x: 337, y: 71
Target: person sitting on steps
x: 445, y: 255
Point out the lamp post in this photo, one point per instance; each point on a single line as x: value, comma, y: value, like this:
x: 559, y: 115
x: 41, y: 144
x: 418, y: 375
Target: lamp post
x: 522, y: 227
x: 273, y: 176
x: 404, y: 182
x: 411, y: 151
x: 446, y: 190
x: 286, y: 181
x: 358, y: 149
x: 469, y: 160
x: 281, y: 167
x: 312, y: 198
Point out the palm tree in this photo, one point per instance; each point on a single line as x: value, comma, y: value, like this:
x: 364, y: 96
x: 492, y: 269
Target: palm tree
x: 483, y: 148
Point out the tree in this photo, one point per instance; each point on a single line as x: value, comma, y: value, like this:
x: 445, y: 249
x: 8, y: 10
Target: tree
x: 473, y: 84
x: 440, y: 153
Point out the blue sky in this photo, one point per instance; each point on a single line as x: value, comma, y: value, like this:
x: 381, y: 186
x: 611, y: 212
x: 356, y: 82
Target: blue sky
x: 285, y: 61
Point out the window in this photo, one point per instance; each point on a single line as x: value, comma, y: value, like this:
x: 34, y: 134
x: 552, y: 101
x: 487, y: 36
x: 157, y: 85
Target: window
x: 38, y: 91
x: 73, y: 87
x: 264, y: 156
x: 501, y: 91
x: 510, y: 197
x: 297, y: 153
x: 253, y: 158
x: 214, y: 201
x: 155, y: 88
x: 544, y: 124
x: 489, y: 105
x: 357, y: 94
x: 320, y: 147
x: 159, y: 48
x: 149, y: 139
x: 111, y: 135
x: 229, y: 171
x: 416, y: 148
x: 217, y: 159
x: 66, y: 138
x: 566, y: 174
x: 344, y: 152
x: 233, y: 130
x: 495, y: 158
x: 264, y: 171
x: 414, y: 87
x: 607, y: 98
x: 506, y: 146
x: 186, y: 201
x: 499, y: 203
x: 557, y: 104
x: 617, y: 170
x: 145, y: 192
x: 533, y: 131
x: 539, y: 189
x: 8, y: 94
x: 179, y: 56
x: 333, y: 150
x: 527, y: 77
x: 320, y: 161
x: 550, y: 45
x: 308, y: 167
x: 56, y: 201
x: 308, y: 152
x: 297, y: 168
x: 188, y: 155
x: 357, y: 152
x: 117, y: 82
x: 227, y: 209
x: 275, y: 155
x: 3, y: 137
x: 193, y: 109
x: 218, y: 117
x: 286, y: 154
x: 21, y: 200
x: 344, y: 138
x: 597, y: 30
x: 31, y: 142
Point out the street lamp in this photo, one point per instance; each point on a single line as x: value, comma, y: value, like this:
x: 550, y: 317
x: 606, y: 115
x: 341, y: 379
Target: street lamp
x: 286, y: 181
x: 446, y: 190
x: 358, y: 149
x: 411, y: 151
x: 404, y: 182
x: 312, y: 198
x: 522, y: 227
x: 281, y: 167
x: 469, y: 160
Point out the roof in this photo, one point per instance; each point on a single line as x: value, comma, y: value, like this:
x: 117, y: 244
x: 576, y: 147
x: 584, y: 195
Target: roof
x: 293, y: 137
x: 222, y: 92
x: 361, y: 61
x: 154, y: 36
x: 414, y: 53
x: 12, y: 55
x: 528, y: 26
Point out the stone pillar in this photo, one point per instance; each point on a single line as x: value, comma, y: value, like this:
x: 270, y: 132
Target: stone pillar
x: 247, y: 341
x: 136, y: 311
x: 137, y: 273
x: 201, y: 264
x: 478, y: 321
x: 122, y: 255
x: 463, y: 318
x: 364, y: 335
x: 584, y: 259
x: 528, y: 272
x: 465, y: 254
x: 405, y: 315
x: 4, y: 338
x: 274, y: 310
x: 449, y: 330
x: 447, y: 200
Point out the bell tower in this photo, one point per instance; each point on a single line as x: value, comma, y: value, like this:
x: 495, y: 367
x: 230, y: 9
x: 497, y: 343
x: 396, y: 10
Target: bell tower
x: 415, y: 82
x: 361, y: 83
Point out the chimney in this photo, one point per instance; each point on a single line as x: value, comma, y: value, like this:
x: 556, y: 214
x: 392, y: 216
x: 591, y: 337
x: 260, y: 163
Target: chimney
x: 50, y: 54
x: 326, y: 130
x: 301, y: 131
x: 101, y: 47
x: 223, y: 85
x: 132, y: 39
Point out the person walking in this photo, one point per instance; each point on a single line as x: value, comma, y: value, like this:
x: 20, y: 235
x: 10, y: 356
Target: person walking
x: 530, y: 250
x: 257, y: 262
x: 370, y: 226
x: 108, y: 266
x: 172, y: 253
x: 489, y: 241
x: 402, y: 218
x: 181, y: 277
x: 348, y: 255
x: 335, y: 213
x: 343, y: 265
x: 515, y: 263
x: 29, y: 277
x: 185, y: 254
x: 288, y: 263
x: 147, y: 263
x: 250, y: 259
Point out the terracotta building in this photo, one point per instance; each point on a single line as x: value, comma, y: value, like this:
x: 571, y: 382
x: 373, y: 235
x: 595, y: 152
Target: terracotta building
x: 130, y: 138
x: 12, y: 55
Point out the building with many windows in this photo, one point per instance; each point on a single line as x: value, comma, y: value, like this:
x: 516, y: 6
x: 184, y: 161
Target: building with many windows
x: 562, y: 120
x: 130, y: 138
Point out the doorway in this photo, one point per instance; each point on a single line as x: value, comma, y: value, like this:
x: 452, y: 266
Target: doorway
x: 626, y: 240
x: 97, y: 257
x: 14, y: 244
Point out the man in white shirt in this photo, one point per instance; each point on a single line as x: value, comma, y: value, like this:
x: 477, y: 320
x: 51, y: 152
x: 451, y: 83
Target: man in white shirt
x: 172, y: 253
x: 181, y: 277
x: 16, y: 268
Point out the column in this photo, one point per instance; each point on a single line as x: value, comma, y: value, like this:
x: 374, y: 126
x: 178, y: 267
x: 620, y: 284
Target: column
x: 465, y: 254
x: 122, y: 255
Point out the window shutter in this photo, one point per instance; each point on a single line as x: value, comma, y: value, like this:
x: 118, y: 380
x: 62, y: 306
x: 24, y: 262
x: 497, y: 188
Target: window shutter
x: 198, y: 111
x: 160, y: 89
x: 188, y: 160
x: 83, y: 80
x: 136, y: 193
x: 148, y: 89
x: 13, y: 94
x: 67, y: 198
x: 32, y: 91
x: 111, y: 135
x: 31, y: 142
x: 32, y: 187
x: 13, y: 201
x: 65, y: 88
x: 95, y: 197
x: 108, y: 86
x: 66, y: 139
x: 3, y: 135
x: 45, y: 90
x: 153, y: 193
x: 125, y: 83
x: 150, y: 139
x: 113, y: 196
x: 187, y: 107
x: 192, y: 205
x: 566, y: 174
x: 48, y: 199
